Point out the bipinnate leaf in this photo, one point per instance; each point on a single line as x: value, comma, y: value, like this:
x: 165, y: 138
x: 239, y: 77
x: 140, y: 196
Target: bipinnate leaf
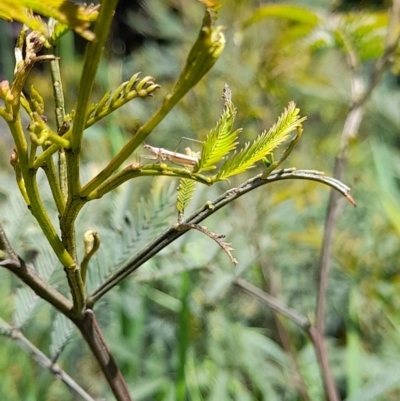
x: 71, y: 15
x: 25, y: 304
x: 26, y: 301
x: 130, y: 232
x: 221, y: 140
x: 63, y: 328
x: 263, y: 145
x: 185, y: 193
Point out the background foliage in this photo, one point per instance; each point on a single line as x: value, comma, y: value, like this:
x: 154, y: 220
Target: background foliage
x: 182, y: 310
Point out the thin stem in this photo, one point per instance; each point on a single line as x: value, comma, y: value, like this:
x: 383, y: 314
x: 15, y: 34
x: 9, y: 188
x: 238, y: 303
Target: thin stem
x: 38, y: 210
x: 58, y: 92
x: 49, y: 151
x: 359, y: 97
x: 86, y: 322
x: 5, y: 246
x: 76, y: 287
x: 45, y: 291
x: 17, y: 336
x: 207, y: 210
x: 75, y: 202
x: 57, y: 185
x: 28, y: 186
x: 92, y: 59
x: 149, y: 170
x: 21, y: 183
x: 203, y: 55
x: 138, y: 138
x: 51, y: 174
x: 275, y: 304
x: 316, y: 338
x: 17, y: 132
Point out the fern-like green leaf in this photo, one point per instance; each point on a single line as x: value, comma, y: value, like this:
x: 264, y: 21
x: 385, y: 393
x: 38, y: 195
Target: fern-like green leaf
x: 129, y: 231
x: 264, y: 144
x: 185, y: 193
x: 221, y: 139
x: 63, y: 329
x: 25, y: 304
x: 26, y: 301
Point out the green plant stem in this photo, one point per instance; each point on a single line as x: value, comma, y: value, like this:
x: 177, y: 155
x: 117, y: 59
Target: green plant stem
x: 51, y: 174
x: 140, y: 135
x: 15, y: 126
x: 50, y: 151
x: 58, y: 187
x: 207, y: 210
x: 57, y: 92
x: 32, y: 154
x: 62, y: 173
x: 35, y: 204
x: 93, y: 55
x: 203, y: 55
x: 145, y: 171
x: 38, y: 210
x: 67, y: 224
x: 74, y: 203
x: 60, y: 141
x: 21, y: 183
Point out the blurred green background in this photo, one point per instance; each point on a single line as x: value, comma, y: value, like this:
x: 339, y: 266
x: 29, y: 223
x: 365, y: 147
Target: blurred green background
x: 181, y: 310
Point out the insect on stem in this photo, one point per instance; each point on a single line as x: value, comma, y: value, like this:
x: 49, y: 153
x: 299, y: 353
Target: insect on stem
x: 174, y: 157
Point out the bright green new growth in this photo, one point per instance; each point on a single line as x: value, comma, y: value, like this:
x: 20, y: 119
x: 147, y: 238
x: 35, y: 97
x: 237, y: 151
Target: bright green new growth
x: 263, y: 145
x: 221, y: 139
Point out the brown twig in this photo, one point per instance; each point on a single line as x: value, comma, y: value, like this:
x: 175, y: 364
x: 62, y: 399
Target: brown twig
x: 275, y: 304
x: 17, y: 336
x: 278, y: 307
x: 207, y: 210
x: 87, y: 325
x: 359, y: 96
x: 92, y: 334
x: 215, y: 237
